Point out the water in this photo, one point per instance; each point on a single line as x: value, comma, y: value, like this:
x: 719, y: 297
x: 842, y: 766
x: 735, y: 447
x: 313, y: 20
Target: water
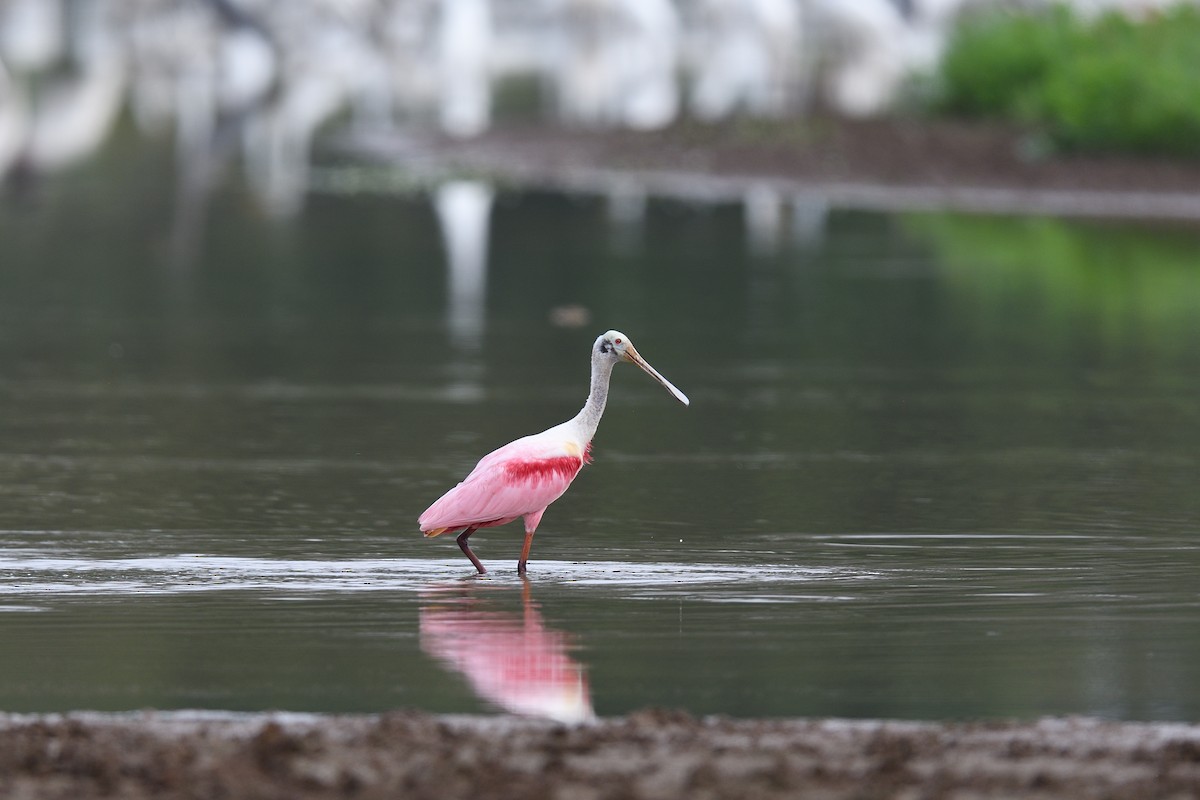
x: 934, y: 466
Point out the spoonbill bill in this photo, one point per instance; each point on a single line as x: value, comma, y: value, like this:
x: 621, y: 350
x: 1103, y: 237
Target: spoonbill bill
x: 523, y: 477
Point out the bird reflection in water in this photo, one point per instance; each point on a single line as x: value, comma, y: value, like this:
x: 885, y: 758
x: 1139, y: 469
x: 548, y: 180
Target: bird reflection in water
x: 511, y: 660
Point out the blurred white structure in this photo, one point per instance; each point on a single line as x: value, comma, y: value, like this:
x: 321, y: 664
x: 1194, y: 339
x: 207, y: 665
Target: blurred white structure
x: 74, y: 114
x: 261, y: 79
x: 247, y: 68
x: 874, y: 46
x: 31, y: 34
x: 746, y: 56
x: 72, y: 111
x: 613, y: 62
x: 464, y: 44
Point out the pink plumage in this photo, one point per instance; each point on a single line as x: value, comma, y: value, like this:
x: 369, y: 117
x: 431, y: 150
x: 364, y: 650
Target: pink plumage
x: 523, y: 477
x: 518, y: 480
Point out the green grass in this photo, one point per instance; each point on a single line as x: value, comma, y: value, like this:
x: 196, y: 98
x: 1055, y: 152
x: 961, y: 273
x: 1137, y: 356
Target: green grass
x: 1112, y: 84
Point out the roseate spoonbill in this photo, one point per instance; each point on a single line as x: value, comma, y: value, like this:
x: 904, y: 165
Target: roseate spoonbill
x: 523, y: 477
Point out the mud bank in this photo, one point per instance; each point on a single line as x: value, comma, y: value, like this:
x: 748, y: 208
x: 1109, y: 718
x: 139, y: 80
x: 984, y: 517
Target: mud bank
x: 646, y: 755
x: 894, y: 164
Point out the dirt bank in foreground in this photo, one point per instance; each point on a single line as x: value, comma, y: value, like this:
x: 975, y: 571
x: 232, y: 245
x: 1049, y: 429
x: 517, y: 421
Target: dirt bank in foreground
x: 646, y: 755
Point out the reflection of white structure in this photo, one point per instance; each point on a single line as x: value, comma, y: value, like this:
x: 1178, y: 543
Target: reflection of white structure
x: 13, y: 120
x: 746, y: 58
x: 763, y: 209
x: 626, y: 206
x: 765, y: 214
x: 810, y: 214
x: 513, y: 661
x: 464, y: 211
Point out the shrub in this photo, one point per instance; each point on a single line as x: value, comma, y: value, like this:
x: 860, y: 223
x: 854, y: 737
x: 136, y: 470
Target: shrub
x: 1108, y: 84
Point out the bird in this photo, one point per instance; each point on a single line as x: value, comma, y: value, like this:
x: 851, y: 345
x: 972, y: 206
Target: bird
x: 525, y: 476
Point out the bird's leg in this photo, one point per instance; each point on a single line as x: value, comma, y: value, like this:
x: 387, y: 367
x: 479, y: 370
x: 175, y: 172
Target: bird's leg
x: 462, y: 542
x: 525, y: 552
x: 531, y: 523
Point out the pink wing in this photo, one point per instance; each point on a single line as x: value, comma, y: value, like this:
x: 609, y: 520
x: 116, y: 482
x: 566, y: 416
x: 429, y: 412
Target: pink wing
x: 518, y: 479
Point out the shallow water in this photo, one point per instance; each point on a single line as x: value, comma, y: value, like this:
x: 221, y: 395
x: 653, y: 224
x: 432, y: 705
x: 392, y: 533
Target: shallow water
x: 933, y: 466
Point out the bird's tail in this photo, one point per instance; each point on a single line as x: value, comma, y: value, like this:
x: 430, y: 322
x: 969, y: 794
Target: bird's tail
x: 435, y: 532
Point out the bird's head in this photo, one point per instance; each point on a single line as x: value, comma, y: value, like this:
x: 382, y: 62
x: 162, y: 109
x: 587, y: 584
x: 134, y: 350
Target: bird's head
x: 615, y: 346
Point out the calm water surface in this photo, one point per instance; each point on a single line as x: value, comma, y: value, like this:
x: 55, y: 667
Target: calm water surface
x: 934, y: 466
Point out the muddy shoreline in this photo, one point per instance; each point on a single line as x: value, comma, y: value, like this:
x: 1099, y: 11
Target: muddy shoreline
x: 893, y: 164
x: 651, y: 754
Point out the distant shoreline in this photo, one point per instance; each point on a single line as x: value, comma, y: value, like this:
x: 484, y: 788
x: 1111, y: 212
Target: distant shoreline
x: 650, y: 754
x: 878, y: 165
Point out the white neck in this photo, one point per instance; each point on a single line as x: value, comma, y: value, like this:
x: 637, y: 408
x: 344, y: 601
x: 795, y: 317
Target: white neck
x: 588, y: 418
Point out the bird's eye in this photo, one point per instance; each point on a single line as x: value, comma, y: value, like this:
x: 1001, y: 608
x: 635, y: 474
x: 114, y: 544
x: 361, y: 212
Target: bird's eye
x: 616, y: 341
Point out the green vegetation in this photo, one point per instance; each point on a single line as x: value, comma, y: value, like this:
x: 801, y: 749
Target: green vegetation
x: 1080, y: 290
x: 1106, y: 84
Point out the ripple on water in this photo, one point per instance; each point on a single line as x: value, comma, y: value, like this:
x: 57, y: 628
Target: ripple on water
x: 185, y: 573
